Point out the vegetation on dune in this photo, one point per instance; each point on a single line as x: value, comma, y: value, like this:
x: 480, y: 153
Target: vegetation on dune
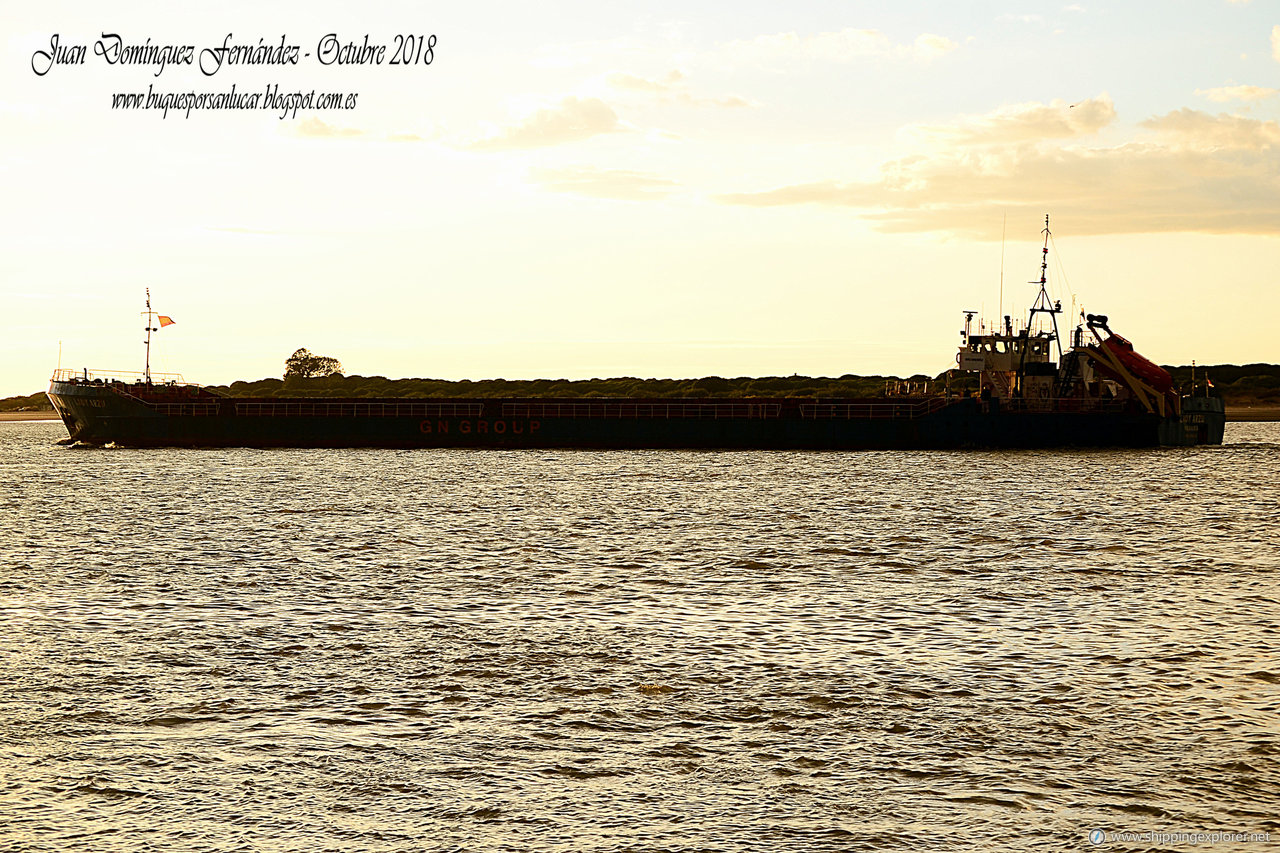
x: 322, y: 377
x: 1240, y: 385
x: 36, y: 402
x: 308, y: 375
x: 304, y: 365
x: 624, y: 386
x: 1251, y: 384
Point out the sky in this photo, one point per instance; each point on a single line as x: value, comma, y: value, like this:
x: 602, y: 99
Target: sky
x: 594, y: 189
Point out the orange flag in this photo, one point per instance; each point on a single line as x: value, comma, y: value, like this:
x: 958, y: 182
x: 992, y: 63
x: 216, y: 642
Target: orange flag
x: 165, y: 321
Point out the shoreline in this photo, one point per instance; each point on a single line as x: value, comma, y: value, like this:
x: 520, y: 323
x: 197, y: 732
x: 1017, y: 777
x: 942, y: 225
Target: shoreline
x: 1247, y: 414
x: 29, y: 416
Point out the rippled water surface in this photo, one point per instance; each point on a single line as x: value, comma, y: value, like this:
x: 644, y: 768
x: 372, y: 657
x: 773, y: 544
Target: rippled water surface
x: 353, y: 650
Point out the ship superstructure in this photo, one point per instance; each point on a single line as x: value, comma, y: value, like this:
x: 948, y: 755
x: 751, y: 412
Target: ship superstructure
x: 1018, y: 370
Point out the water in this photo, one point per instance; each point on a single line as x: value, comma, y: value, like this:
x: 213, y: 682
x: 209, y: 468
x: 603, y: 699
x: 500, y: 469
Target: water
x: 380, y: 650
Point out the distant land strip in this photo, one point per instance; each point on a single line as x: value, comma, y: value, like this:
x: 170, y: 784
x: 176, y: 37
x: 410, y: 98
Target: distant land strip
x: 1253, y: 413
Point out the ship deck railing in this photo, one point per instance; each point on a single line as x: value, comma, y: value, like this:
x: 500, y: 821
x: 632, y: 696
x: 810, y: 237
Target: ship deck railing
x: 85, y: 376
x: 908, y: 408
x: 201, y: 408
x: 177, y: 404
x: 346, y: 409
x: 647, y: 409
x: 1070, y: 405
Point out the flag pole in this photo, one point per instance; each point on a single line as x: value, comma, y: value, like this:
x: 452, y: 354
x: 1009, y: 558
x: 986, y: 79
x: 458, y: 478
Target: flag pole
x: 146, y: 374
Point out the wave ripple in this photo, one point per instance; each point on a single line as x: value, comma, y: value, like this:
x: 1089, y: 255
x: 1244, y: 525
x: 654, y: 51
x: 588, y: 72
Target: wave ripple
x: 391, y: 650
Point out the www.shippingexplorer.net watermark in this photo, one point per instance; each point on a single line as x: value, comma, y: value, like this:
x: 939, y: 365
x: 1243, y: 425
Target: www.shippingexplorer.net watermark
x: 1163, y: 837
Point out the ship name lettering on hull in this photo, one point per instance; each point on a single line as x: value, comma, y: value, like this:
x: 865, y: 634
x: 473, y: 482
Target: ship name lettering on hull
x: 479, y: 426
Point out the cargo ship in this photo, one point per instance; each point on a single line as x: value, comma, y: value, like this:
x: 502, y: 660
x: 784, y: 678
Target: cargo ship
x: 1098, y: 393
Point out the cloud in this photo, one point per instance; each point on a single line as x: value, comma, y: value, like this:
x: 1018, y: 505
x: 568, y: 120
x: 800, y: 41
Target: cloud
x: 1022, y: 122
x: 572, y: 120
x: 256, y: 232
x: 1192, y: 128
x: 1202, y: 173
x: 928, y: 45
x: 671, y: 82
x: 672, y: 88
x: 722, y: 101
x: 604, y: 183
x: 1275, y: 43
x: 843, y: 46
x: 818, y: 192
x: 1223, y: 94
x: 316, y: 129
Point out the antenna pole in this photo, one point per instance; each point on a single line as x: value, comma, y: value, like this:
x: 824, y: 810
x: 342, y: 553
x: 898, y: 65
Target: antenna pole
x: 1044, y: 258
x: 1043, y: 304
x: 1004, y: 227
x: 148, y: 314
x: 1044, y: 266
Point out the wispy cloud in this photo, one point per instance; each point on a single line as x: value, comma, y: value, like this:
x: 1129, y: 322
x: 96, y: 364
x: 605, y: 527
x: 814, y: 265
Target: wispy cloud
x: 672, y: 87
x: 1201, y: 173
x: 572, y: 120
x: 256, y: 232
x: 316, y: 129
x: 673, y: 81
x: 1275, y: 43
x: 842, y: 46
x: 1022, y: 122
x: 1195, y: 129
x: 621, y: 184
x: 1223, y: 94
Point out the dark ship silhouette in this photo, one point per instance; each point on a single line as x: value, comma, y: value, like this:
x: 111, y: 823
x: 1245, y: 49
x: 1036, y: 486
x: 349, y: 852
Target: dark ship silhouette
x: 1099, y: 393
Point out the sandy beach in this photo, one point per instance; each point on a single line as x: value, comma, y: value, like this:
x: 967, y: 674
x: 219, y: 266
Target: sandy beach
x: 29, y: 416
x: 1253, y: 413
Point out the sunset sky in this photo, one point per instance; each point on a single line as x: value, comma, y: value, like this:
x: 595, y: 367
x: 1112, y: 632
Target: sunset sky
x: 579, y: 189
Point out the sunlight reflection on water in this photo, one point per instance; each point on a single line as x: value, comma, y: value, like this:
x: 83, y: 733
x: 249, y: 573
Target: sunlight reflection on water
x: 386, y: 650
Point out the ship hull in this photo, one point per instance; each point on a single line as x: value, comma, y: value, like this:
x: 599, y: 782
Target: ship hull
x: 106, y: 414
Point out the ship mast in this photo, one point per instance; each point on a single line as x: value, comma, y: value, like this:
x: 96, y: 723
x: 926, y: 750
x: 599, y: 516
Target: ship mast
x: 1042, y: 305
x: 149, y: 315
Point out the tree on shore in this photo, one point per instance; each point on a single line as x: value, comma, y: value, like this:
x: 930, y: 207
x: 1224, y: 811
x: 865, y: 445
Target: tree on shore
x: 305, y: 365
